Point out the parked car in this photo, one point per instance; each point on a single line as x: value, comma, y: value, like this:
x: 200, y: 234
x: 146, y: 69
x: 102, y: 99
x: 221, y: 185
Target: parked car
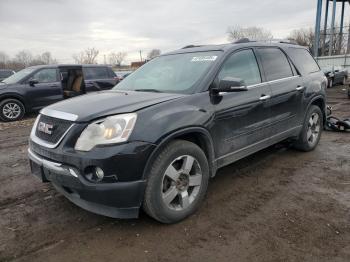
x: 336, y: 75
x: 157, y: 137
x: 36, y: 87
x: 5, y: 73
x: 122, y: 74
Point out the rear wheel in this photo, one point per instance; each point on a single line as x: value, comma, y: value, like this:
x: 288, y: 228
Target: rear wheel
x: 177, y: 182
x: 312, y: 128
x: 11, y: 110
x: 330, y: 83
x: 343, y: 81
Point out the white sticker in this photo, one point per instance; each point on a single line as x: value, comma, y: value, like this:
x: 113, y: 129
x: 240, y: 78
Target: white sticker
x: 204, y: 58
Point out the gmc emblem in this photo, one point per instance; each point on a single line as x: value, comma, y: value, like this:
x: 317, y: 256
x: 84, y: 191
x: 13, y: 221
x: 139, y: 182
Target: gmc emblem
x: 45, y: 128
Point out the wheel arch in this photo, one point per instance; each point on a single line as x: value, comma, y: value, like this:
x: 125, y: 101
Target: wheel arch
x: 197, y: 135
x: 321, y: 103
x: 17, y: 97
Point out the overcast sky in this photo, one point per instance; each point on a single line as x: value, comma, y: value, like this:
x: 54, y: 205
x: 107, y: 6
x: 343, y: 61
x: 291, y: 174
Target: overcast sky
x: 65, y: 27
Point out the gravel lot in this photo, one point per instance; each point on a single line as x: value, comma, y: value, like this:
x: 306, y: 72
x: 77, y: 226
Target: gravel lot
x: 277, y: 205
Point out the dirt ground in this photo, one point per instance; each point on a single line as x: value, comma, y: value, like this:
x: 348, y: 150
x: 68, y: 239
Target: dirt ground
x: 277, y: 205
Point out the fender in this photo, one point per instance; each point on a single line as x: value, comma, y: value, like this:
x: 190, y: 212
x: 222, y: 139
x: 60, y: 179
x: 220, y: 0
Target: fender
x: 178, y: 133
x: 16, y: 96
x: 322, y: 109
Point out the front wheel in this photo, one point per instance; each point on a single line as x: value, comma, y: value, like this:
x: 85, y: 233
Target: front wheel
x: 177, y: 182
x: 11, y: 110
x: 311, y: 131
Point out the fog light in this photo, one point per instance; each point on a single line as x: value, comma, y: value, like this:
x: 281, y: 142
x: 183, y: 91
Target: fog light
x: 94, y: 174
x: 99, y: 173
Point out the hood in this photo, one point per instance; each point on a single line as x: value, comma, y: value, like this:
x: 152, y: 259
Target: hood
x: 99, y: 104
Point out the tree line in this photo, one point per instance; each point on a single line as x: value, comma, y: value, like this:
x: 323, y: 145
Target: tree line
x: 24, y: 59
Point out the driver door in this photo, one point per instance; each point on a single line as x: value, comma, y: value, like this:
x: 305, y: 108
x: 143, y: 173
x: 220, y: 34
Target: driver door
x: 241, y: 118
x: 47, y: 89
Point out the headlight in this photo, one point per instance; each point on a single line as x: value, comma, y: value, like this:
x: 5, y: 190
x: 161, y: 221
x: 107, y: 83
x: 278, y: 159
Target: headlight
x: 113, y: 129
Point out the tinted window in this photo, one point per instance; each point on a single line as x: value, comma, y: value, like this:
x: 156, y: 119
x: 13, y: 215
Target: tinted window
x: 303, y: 60
x: 242, y: 65
x: 275, y: 63
x: 4, y: 74
x: 46, y: 75
x: 95, y: 73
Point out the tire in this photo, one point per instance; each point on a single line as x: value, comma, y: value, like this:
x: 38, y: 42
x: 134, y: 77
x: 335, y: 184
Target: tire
x: 11, y: 110
x: 349, y: 93
x: 169, y: 195
x: 343, y: 82
x: 330, y: 83
x: 311, y: 131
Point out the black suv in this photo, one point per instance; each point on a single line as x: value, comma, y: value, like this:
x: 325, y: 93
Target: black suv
x: 36, y: 87
x: 157, y: 137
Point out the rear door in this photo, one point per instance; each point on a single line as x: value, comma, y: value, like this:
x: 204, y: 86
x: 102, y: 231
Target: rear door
x: 241, y: 118
x: 98, y: 78
x: 286, y: 86
x: 48, y: 90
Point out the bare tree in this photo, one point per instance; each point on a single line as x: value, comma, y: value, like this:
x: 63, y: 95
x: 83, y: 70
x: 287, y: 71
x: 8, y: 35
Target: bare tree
x: 253, y: 33
x: 24, y: 57
x: 91, y: 55
x: 79, y: 58
x: 303, y: 37
x: 87, y: 56
x: 153, y: 53
x: 120, y: 57
x: 112, y: 57
x: 4, y: 58
x: 47, y: 58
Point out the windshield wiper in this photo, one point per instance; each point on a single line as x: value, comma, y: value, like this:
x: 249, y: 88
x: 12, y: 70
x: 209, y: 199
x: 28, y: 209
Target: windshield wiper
x: 148, y: 90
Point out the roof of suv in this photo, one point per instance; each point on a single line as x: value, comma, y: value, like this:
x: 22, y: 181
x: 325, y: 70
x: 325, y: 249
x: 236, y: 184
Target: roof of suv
x: 232, y: 46
x: 69, y: 65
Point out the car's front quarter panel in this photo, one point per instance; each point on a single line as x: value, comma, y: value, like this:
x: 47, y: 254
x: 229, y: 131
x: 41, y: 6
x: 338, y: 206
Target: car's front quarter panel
x: 155, y: 123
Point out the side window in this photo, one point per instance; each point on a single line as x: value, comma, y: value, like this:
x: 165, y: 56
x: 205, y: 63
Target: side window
x: 275, y: 63
x: 48, y: 75
x: 243, y: 65
x: 111, y: 73
x: 95, y: 73
x: 303, y: 60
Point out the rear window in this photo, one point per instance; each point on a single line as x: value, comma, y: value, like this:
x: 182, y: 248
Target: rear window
x: 95, y: 73
x: 303, y: 60
x: 275, y: 63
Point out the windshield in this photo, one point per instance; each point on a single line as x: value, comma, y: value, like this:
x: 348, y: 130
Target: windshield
x: 171, y: 73
x: 15, y: 78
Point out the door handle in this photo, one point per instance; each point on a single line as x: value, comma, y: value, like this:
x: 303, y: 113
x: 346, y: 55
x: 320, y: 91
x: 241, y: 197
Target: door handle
x: 264, y: 97
x: 300, y: 88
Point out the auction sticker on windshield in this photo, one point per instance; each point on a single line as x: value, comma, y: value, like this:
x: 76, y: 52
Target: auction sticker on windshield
x: 204, y: 58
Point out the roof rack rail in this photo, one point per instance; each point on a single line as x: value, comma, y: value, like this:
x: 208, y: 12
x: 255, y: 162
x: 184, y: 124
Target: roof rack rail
x: 242, y: 40
x: 282, y: 41
x: 190, y: 46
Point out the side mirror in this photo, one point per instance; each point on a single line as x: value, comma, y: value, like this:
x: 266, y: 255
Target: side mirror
x: 231, y: 84
x: 33, y: 82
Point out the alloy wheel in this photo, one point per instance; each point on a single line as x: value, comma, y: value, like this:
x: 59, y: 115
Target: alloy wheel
x: 11, y: 110
x: 181, y: 183
x: 313, y: 129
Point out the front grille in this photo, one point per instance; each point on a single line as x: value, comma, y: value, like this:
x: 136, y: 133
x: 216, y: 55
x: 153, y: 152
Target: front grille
x: 57, y: 128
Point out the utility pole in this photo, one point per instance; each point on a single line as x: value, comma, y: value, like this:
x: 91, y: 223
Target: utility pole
x: 332, y: 28
x: 104, y: 59
x: 317, y: 27
x: 141, y: 55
